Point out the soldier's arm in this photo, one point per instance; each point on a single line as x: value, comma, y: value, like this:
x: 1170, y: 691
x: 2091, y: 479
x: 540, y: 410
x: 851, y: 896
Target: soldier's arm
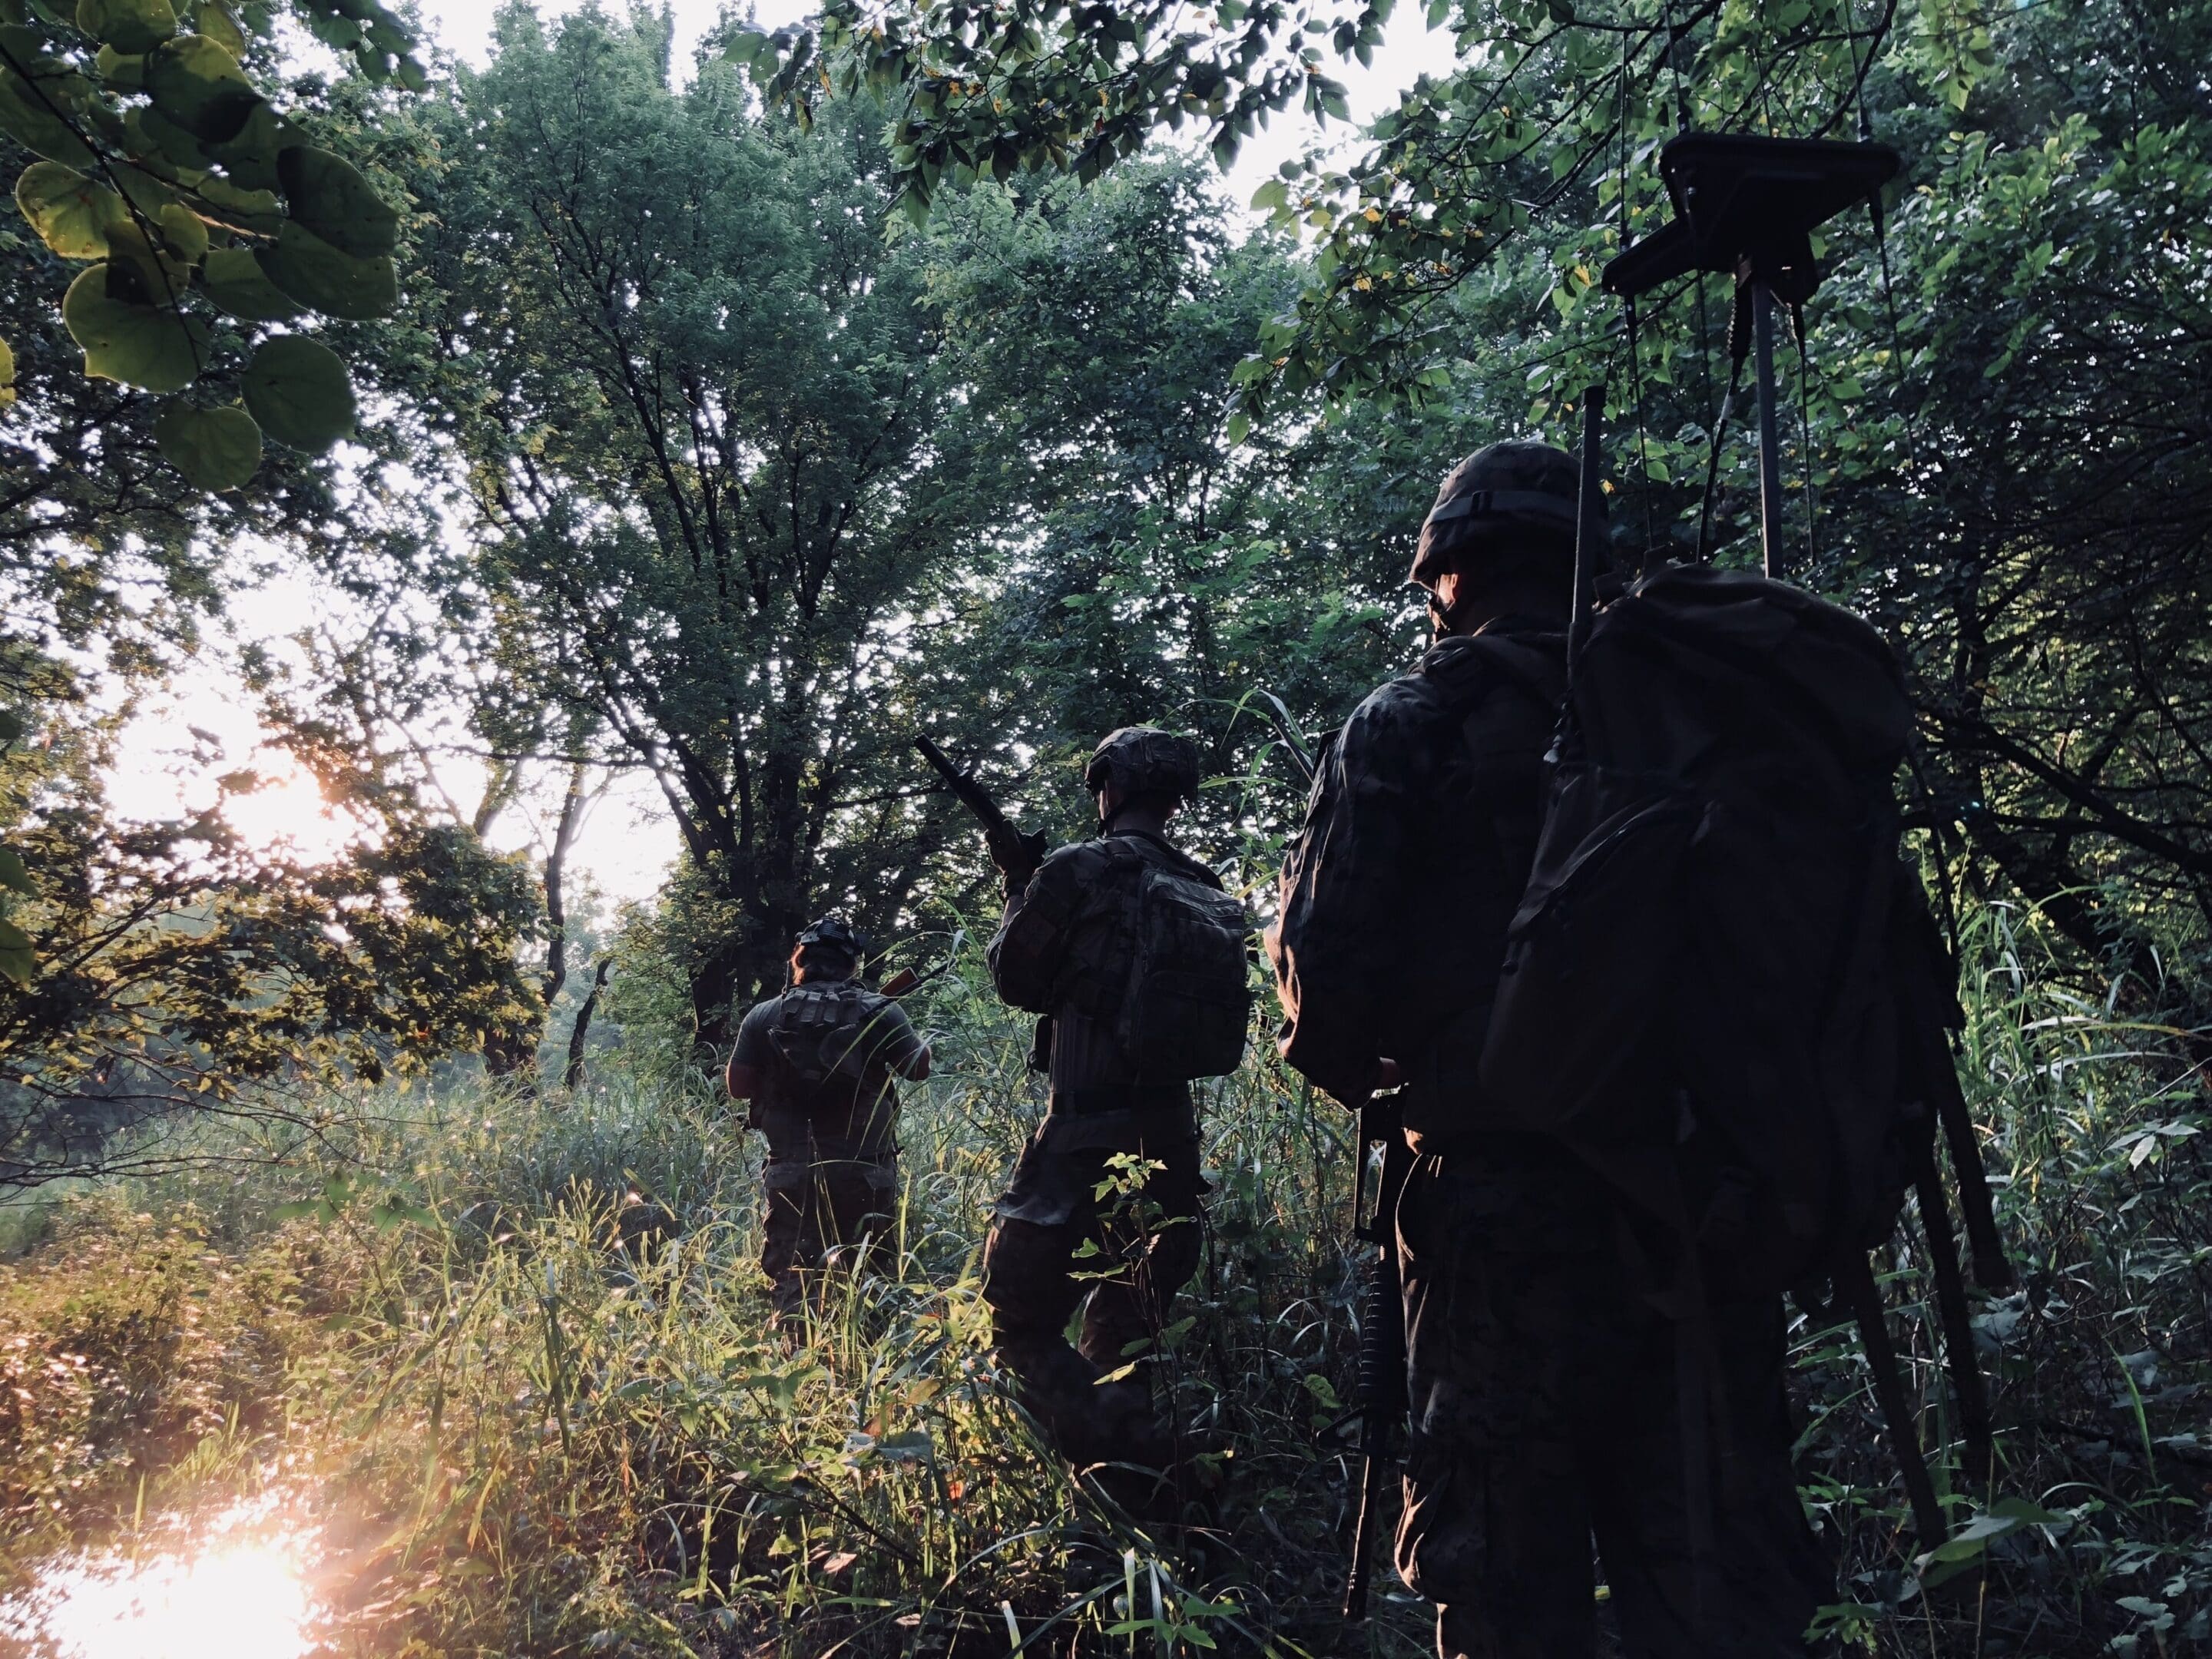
x: 1348, y: 923
x: 748, y: 1055
x: 1026, y: 953
x: 900, y: 1046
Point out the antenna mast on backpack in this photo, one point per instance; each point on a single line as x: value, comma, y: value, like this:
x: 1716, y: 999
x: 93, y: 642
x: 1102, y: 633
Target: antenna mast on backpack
x: 1747, y: 206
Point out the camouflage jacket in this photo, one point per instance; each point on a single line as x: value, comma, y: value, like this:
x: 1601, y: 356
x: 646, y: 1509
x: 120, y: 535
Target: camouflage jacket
x: 1418, y: 840
x: 1057, y: 954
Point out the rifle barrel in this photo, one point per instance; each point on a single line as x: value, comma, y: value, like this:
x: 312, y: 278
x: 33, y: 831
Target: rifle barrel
x: 970, y: 793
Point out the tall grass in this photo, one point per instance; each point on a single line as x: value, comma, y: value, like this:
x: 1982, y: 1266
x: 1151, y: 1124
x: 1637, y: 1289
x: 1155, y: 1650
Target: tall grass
x: 516, y: 1355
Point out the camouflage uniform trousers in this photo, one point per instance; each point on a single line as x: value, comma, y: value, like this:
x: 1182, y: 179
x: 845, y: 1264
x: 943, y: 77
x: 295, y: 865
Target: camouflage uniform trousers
x: 1546, y: 1411
x: 1047, y: 1214
x: 819, y: 1203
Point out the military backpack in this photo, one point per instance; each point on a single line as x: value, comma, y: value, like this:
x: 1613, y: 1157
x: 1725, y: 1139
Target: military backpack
x: 1722, y: 986
x: 1169, y: 979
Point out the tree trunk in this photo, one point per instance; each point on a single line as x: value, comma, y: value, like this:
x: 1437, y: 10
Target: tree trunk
x: 572, y: 1074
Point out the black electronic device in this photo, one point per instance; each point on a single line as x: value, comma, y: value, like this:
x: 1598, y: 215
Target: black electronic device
x: 1747, y: 206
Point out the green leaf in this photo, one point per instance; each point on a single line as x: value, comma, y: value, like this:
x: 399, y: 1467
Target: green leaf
x: 11, y: 723
x: 328, y: 279
x: 220, y: 27
x: 327, y: 194
x: 214, y: 448
x: 14, y: 876
x: 200, y: 87
x: 128, y: 26
x: 18, y: 961
x: 1240, y: 426
x: 70, y: 212
x: 37, y: 128
x: 299, y: 390
x: 151, y: 347
x: 7, y: 397
x: 252, y: 153
x: 235, y: 281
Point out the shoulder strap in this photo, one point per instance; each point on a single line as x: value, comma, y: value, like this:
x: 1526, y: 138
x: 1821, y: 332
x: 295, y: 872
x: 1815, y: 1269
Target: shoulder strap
x: 1466, y: 674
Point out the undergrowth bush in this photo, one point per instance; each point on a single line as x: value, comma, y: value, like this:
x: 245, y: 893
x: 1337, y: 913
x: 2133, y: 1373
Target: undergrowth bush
x: 514, y: 1356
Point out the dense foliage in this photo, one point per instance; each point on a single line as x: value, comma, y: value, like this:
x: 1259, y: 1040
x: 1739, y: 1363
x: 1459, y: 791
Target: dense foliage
x: 731, y: 451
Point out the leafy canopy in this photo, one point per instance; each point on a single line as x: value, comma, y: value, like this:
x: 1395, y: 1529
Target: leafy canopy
x: 201, y: 212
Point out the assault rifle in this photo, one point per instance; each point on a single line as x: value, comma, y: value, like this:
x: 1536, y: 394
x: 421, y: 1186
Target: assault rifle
x: 910, y: 979
x: 1378, y: 1395
x: 1378, y: 1390
x: 1017, y: 854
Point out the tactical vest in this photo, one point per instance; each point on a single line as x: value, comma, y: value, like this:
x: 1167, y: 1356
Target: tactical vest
x: 825, y: 1035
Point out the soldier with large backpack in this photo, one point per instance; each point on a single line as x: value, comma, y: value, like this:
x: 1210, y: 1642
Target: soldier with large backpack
x: 1135, y: 959
x: 817, y: 1063
x: 1571, y: 1374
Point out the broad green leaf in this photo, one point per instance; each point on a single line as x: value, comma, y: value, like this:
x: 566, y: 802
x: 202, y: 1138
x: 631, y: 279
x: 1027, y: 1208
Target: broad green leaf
x: 128, y: 26
x: 200, y: 87
x: 183, y: 232
x: 7, y: 388
x: 70, y: 212
x: 120, y: 71
x: 220, y: 27
x: 216, y: 448
x: 298, y: 389
x: 233, y: 280
x: 11, y: 723
x: 328, y: 280
x: 14, y: 876
x: 150, y: 347
x: 156, y: 268
x: 327, y: 194
x: 37, y: 128
x: 250, y: 155
x: 152, y: 134
x: 225, y: 203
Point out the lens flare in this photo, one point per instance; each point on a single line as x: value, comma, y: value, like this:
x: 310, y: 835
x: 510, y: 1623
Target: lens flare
x: 242, y: 1594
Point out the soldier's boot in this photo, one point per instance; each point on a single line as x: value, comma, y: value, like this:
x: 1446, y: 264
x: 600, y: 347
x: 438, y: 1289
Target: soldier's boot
x: 1106, y: 1433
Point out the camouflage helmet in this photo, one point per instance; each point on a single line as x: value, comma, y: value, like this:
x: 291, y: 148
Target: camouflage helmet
x: 1145, y: 761
x: 1530, y: 487
x: 833, y: 933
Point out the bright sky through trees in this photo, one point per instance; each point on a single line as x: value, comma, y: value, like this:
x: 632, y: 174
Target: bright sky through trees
x: 164, y: 762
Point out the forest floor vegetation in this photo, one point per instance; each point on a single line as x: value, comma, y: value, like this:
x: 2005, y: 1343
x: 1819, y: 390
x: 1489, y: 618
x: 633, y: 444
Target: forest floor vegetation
x: 509, y: 1362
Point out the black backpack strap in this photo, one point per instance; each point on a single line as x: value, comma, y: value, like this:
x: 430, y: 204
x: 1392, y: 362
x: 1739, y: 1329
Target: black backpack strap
x: 1957, y: 1319
x: 1466, y: 674
x: 1855, y: 1284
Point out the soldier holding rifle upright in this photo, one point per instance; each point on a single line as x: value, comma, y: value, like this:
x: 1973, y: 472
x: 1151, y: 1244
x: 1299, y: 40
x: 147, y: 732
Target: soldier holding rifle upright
x: 1543, y: 1407
x: 1135, y: 959
x: 817, y: 1063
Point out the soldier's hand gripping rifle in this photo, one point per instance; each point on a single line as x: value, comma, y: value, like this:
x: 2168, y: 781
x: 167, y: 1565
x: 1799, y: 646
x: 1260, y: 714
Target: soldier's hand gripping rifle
x: 1017, y: 854
x: 1378, y: 1398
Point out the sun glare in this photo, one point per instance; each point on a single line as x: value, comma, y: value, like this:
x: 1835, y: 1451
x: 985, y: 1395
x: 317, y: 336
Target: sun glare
x: 234, y: 1598
x: 287, y: 812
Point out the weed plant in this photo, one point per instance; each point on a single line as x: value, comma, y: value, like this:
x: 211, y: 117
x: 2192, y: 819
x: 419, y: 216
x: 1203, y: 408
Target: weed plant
x: 513, y: 1356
